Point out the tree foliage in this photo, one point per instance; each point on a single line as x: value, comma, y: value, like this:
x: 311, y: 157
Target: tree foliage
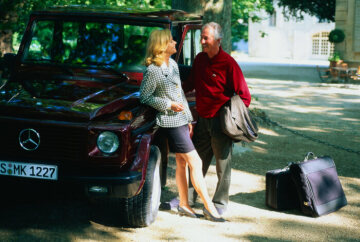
x: 14, y: 14
x: 244, y: 11
x: 22, y: 8
x: 324, y: 10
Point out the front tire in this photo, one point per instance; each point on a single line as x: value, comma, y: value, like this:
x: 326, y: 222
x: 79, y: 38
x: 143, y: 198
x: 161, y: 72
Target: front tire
x: 142, y: 209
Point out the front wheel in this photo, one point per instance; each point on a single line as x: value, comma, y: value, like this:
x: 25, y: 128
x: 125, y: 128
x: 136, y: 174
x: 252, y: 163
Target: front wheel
x: 142, y: 209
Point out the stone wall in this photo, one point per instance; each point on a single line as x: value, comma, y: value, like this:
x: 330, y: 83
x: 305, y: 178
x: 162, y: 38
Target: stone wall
x: 347, y: 18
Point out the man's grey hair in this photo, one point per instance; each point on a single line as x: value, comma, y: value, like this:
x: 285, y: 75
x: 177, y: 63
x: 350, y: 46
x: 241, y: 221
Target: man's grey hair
x: 218, y: 34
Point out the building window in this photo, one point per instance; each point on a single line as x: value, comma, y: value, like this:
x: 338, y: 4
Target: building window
x: 272, y: 19
x: 321, y: 47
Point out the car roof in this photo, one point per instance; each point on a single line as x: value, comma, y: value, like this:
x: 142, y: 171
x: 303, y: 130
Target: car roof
x: 166, y: 15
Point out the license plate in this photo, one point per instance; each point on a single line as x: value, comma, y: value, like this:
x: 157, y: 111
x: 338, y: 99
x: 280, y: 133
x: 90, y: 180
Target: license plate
x: 30, y: 170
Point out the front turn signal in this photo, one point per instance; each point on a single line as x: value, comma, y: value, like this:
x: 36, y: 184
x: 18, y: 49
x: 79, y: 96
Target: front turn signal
x: 125, y: 115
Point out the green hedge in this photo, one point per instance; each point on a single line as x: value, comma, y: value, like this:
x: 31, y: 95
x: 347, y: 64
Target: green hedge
x: 336, y: 36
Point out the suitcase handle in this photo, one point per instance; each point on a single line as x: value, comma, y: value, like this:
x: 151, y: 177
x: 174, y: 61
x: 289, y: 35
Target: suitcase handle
x: 308, y: 156
x: 305, y: 159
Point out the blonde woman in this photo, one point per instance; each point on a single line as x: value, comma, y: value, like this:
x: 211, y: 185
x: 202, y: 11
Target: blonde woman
x: 161, y: 89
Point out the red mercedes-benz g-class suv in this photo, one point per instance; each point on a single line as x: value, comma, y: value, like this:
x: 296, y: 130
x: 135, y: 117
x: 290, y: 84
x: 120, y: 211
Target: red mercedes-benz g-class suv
x: 70, y: 110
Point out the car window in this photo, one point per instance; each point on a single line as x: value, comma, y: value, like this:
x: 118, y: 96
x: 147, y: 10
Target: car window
x: 40, y: 45
x: 88, y: 43
x: 191, y: 46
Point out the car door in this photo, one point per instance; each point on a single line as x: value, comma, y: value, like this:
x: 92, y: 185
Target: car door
x: 189, y: 47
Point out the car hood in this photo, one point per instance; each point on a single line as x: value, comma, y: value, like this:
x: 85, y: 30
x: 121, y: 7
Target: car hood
x: 66, y: 98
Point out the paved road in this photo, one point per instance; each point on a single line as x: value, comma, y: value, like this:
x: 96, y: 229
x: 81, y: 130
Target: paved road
x: 281, y: 70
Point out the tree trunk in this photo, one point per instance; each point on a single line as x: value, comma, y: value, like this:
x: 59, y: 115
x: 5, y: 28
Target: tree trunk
x: 213, y: 11
x: 5, y: 42
x: 7, y: 19
x: 9, y: 16
x: 219, y: 11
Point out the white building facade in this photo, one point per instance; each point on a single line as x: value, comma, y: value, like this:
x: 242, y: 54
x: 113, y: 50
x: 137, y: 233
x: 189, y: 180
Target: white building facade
x: 278, y: 37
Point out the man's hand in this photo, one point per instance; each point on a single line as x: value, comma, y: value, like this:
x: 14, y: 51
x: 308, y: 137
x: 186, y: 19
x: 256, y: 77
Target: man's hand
x: 177, y: 107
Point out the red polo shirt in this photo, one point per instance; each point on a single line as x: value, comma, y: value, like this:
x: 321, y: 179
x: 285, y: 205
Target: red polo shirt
x: 215, y: 81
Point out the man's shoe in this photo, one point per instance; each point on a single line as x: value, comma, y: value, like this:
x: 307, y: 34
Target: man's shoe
x: 172, y: 205
x: 220, y: 211
x: 210, y: 217
x: 164, y: 206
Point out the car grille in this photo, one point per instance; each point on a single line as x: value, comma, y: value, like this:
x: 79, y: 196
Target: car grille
x: 59, y: 142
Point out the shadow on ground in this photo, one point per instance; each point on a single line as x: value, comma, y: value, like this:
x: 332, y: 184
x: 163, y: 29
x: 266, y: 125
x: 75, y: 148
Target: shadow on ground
x: 53, y: 213
x: 324, y: 119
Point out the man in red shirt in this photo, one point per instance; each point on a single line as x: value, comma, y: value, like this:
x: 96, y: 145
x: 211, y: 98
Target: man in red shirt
x: 216, y: 77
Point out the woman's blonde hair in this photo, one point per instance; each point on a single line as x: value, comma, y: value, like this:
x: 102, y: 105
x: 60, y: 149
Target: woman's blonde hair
x: 156, y: 46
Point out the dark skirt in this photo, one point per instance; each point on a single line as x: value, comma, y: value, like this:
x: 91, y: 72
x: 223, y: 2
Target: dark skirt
x: 179, y: 139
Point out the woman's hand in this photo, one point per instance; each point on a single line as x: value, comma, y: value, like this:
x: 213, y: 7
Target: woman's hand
x: 177, y: 107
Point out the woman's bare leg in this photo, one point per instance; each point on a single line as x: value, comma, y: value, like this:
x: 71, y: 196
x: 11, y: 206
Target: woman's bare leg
x: 198, y: 180
x: 181, y: 182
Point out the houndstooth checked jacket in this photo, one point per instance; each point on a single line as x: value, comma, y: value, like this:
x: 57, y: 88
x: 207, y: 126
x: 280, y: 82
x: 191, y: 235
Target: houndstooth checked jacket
x: 161, y: 84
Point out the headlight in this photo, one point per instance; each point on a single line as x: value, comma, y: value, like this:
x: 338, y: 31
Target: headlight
x: 108, y: 142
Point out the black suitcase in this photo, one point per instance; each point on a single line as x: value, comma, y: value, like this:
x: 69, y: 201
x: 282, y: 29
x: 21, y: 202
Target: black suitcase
x: 318, y: 186
x: 280, y: 190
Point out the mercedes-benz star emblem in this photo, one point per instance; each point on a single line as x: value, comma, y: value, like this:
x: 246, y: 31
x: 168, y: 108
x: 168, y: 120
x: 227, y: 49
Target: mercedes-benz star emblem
x: 29, y: 139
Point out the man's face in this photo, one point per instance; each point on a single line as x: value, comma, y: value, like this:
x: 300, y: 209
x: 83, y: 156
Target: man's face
x: 208, y: 42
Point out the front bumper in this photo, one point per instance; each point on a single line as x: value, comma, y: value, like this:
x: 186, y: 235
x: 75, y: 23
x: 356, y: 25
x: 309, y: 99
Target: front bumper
x: 123, y: 185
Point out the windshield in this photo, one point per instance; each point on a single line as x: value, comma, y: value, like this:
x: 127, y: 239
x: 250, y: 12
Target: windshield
x: 76, y: 43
